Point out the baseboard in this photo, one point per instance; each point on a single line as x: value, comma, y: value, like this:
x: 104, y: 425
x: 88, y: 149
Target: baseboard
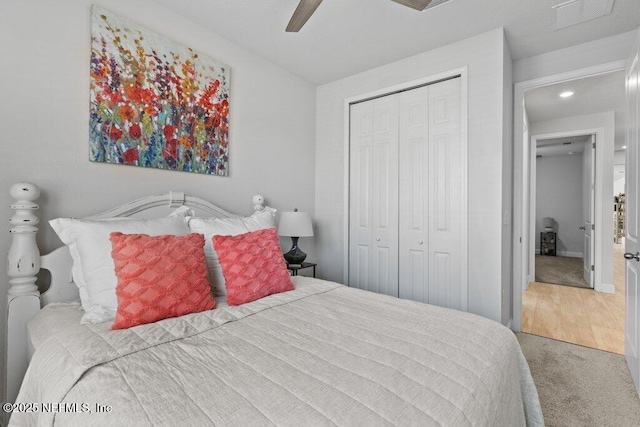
x: 608, y: 288
x: 565, y: 253
x: 570, y: 254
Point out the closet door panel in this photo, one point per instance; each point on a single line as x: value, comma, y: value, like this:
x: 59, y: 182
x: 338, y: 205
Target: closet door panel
x: 414, y: 194
x: 385, y: 195
x: 446, y: 227
x: 373, y: 218
x: 360, y: 190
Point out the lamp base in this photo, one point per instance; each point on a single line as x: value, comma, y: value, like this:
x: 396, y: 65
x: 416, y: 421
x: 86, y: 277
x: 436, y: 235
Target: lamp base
x: 295, y: 254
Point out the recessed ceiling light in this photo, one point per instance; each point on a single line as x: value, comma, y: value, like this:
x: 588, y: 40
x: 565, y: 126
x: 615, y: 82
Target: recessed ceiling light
x: 566, y: 94
x: 570, y: 152
x: 624, y: 147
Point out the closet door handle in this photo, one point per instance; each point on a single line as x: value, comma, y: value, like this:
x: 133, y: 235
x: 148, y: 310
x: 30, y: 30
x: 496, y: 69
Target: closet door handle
x: 582, y: 227
x: 420, y: 242
x: 377, y: 239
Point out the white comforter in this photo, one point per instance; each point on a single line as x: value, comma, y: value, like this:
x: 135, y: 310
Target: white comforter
x: 324, y: 354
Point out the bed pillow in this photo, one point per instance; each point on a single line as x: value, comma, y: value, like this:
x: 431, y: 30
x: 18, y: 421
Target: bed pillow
x: 93, y: 269
x: 253, y: 265
x: 210, y: 227
x: 159, y: 277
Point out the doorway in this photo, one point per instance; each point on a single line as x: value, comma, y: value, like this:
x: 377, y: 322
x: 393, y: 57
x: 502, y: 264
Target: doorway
x: 580, y: 110
x: 564, y: 207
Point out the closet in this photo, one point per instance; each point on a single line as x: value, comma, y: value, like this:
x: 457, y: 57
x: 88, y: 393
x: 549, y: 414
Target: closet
x: 407, y: 195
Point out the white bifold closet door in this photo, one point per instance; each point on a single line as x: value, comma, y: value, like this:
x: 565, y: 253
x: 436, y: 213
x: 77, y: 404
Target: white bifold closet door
x: 407, y: 196
x: 373, y: 219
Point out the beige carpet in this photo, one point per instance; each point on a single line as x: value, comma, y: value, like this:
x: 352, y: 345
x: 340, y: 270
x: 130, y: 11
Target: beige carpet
x: 580, y: 386
x: 560, y: 270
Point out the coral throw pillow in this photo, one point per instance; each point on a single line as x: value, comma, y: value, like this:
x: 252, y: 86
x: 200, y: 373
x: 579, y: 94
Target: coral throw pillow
x: 159, y: 277
x: 253, y: 265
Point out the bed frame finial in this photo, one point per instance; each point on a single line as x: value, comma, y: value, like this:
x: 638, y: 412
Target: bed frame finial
x: 24, y: 256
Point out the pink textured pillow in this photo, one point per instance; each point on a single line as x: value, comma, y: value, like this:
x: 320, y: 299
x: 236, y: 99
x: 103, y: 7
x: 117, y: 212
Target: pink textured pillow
x: 159, y: 277
x: 253, y: 265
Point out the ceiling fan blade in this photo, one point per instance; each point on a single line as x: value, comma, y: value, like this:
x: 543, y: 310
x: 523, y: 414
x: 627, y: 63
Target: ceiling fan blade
x: 302, y: 14
x: 414, y: 4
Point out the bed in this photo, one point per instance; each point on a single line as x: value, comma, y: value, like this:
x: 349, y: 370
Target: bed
x: 321, y: 354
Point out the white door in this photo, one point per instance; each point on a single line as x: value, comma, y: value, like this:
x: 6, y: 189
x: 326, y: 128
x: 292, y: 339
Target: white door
x: 632, y: 245
x: 373, y: 228
x: 414, y: 195
x: 589, y: 181
x: 432, y: 194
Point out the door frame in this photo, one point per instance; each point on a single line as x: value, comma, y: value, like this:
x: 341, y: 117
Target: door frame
x: 520, y: 157
x: 463, y: 72
x: 596, y: 205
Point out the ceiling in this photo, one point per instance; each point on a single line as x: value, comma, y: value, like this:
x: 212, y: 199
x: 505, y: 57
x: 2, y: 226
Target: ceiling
x: 345, y: 37
x: 562, y: 146
x: 591, y: 95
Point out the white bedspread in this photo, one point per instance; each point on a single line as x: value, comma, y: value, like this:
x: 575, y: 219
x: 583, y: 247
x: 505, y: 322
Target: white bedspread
x: 324, y: 354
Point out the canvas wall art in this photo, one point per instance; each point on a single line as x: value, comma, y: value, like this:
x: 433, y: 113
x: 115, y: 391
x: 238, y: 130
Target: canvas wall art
x: 154, y: 102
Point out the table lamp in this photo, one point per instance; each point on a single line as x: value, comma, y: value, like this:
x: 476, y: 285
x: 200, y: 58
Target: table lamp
x: 295, y: 224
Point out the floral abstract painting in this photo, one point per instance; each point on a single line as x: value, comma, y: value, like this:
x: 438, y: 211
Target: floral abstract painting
x: 154, y: 102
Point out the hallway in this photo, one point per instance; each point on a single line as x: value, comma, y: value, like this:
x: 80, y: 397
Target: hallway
x: 579, y: 316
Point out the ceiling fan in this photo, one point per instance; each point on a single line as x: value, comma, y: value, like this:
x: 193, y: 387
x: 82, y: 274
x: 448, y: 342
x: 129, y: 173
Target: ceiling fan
x: 306, y: 8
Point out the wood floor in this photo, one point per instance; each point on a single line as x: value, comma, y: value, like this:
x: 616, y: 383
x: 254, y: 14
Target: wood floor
x: 579, y: 316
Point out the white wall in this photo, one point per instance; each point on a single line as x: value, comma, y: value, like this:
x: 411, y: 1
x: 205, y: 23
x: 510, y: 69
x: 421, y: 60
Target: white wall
x: 619, y: 164
x: 484, y: 55
x: 618, y: 181
x: 559, y: 195
x: 604, y: 170
x: 601, y: 51
x: 44, y: 116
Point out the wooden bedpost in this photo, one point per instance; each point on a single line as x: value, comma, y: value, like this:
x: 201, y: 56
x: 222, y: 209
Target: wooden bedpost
x: 24, y: 256
x: 23, y: 297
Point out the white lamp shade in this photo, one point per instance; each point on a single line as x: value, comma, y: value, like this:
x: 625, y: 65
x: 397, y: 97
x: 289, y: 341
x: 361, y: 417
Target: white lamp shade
x: 295, y: 224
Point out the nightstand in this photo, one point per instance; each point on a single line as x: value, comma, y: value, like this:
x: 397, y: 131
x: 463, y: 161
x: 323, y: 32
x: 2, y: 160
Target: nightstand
x: 295, y: 267
x: 548, y: 243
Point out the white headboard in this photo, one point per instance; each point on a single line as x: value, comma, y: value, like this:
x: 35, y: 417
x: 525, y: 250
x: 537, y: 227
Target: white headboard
x: 24, y: 263
x: 58, y: 262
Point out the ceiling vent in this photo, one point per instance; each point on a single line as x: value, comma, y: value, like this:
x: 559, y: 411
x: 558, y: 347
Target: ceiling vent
x: 574, y: 12
x: 566, y: 143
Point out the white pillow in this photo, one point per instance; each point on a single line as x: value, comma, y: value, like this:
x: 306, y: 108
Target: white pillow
x: 226, y: 227
x: 93, y: 269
